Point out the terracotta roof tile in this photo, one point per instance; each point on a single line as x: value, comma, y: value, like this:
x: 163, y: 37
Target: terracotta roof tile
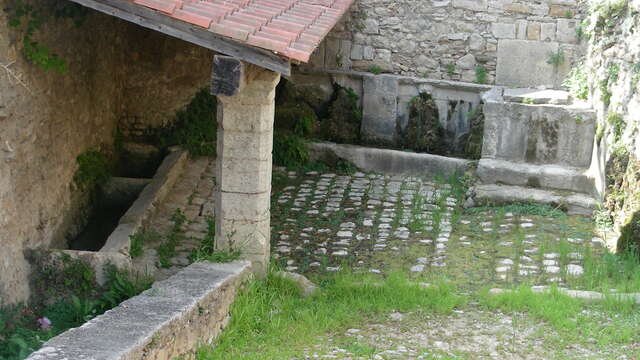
x: 292, y: 28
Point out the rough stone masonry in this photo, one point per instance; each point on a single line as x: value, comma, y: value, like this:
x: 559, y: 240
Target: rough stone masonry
x: 447, y: 39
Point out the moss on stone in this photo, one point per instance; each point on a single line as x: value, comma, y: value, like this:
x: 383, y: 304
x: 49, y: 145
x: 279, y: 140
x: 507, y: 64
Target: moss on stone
x: 345, y: 118
x: 473, y: 146
x: 423, y: 133
x: 296, y: 118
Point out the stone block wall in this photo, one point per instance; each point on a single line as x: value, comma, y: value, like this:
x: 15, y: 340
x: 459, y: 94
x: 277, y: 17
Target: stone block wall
x: 117, y: 72
x: 447, y: 39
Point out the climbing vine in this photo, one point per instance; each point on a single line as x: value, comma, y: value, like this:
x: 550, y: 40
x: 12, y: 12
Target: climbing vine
x: 29, y: 19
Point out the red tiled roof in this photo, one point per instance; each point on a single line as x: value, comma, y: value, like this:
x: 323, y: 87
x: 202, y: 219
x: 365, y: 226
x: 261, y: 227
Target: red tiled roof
x: 292, y: 28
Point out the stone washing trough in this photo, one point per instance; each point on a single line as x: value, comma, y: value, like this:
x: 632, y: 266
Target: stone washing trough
x: 142, y: 197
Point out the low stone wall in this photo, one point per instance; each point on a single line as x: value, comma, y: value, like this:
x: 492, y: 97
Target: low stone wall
x: 447, y: 39
x: 167, y: 321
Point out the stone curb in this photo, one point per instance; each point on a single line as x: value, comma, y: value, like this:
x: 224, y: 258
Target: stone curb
x: 588, y: 296
x: 167, y: 321
x: 390, y: 162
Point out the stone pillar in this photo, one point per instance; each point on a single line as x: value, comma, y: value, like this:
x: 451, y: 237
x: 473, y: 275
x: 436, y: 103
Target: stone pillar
x: 246, y: 105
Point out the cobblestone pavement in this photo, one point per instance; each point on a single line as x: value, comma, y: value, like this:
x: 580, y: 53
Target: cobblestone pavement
x: 378, y: 223
x: 192, y: 194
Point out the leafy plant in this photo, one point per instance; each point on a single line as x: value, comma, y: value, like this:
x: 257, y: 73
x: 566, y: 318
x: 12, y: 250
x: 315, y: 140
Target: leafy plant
x: 555, y: 58
x: 207, y: 249
x: 193, y: 127
x: 451, y: 69
x: 617, y: 124
x: 93, y: 170
x: 375, y: 69
x: 167, y: 249
x: 481, y: 74
x: 290, y: 151
x: 30, y: 18
x: 138, y: 241
x: 577, y: 82
x: 121, y: 285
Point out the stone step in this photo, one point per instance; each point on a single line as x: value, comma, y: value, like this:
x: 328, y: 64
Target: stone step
x: 536, y: 96
x: 573, y: 203
x: 492, y: 171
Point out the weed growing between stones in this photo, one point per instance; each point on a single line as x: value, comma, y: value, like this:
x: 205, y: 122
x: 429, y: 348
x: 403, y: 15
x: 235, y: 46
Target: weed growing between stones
x: 23, y: 329
x: 268, y: 311
x: 138, y: 241
x: 207, y: 249
x: 481, y: 75
x: 167, y: 249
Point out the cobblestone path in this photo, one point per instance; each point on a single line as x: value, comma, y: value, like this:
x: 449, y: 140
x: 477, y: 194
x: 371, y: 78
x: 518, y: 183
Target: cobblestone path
x: 378, y: 223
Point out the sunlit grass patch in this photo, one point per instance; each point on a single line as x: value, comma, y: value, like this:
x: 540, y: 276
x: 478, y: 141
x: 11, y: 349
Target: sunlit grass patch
x: 270, y: 319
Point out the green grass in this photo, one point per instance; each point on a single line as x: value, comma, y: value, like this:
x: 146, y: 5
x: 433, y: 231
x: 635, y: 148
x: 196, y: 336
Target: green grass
x: 611, y: 322
x: 269, y: 311
x: 207, y: 249
x: 522, y: 209
x: 138, y: 241
x: 167, y: 248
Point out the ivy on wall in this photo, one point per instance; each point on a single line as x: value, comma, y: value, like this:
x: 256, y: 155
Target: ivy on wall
x: 29, y: 18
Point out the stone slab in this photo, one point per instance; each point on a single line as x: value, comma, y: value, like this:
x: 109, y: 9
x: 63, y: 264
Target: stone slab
x: 575, y: 204
x: 523, y: 63
x: 379, y: 108
x: 492, y: 171
x: 536, y: 96
x: 167, y: 321
x: 391, y: 162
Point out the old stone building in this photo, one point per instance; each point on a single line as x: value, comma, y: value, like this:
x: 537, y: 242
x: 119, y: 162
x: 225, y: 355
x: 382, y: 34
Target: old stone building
x: 122, y: 77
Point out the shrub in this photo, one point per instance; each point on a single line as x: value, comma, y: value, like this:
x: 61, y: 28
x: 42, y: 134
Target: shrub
x: 290, y: 151
x: 345, y: 118
x: 93, y: 170
x: 194, y: 127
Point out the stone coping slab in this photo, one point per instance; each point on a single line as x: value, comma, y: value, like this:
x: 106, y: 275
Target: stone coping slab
x: 448, y: 84
x: 391, y: 162
x: 171, y: 319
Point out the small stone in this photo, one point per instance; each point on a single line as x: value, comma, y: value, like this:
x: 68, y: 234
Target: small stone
x: 575, y: 270
x: 396, y: 316
x: 417, y: 268
x: 552, y: 269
